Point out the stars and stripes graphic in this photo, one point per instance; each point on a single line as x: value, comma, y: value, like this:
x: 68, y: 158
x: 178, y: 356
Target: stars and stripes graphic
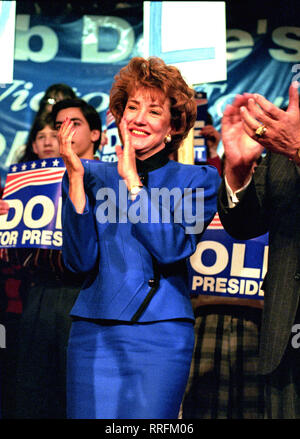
x: 37, y: 173
x: 109, y: 118
x: 216, y: 223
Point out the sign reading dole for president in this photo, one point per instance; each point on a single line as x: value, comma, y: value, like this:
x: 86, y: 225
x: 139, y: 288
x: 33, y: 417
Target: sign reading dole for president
x: 33, y: 191
x: 224, y: 266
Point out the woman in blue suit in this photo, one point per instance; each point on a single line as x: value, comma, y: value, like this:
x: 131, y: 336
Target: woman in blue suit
x: 130, y: 227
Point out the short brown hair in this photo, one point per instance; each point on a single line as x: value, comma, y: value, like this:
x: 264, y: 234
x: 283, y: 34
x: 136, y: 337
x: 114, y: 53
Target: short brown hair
x: 154, y: 73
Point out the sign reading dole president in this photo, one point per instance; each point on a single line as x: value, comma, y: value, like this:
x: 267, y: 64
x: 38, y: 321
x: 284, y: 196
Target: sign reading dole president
x: 33, y: 191
x: 224, y: 266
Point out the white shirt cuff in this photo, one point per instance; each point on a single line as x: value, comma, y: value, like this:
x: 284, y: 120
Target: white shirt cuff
x: 233, y: 200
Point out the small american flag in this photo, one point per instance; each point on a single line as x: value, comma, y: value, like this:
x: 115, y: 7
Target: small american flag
x: 36, y: 173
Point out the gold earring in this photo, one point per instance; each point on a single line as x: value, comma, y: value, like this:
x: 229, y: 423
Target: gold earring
x: 168, y: 138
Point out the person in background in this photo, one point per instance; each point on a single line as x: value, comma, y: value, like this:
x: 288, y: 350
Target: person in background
x: 53, y: 94
x: 51, y: 292
x: 42, y: 139
x: 132, y: 339
x: 87, y: 122
x: 212, y: 140
x: 251, y: 204
x: 15, y: 278
x: 224, y: 381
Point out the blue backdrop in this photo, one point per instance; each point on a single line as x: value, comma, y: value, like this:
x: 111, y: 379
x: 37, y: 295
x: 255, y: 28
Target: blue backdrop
x: 263, y: 54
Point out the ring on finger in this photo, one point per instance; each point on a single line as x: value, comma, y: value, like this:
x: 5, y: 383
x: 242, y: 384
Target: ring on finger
x: 261, y: 130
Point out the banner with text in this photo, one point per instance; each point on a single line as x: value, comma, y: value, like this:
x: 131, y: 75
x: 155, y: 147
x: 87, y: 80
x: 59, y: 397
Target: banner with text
x: 33, y: 191
x: 263, y: 56
x: 224, y: 266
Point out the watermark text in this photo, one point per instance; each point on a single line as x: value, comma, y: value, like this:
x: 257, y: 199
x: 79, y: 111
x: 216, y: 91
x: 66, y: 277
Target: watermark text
x: 155, y: 206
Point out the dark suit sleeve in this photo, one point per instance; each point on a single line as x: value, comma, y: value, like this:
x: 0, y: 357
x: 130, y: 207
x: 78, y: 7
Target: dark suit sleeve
x: 249, y: 218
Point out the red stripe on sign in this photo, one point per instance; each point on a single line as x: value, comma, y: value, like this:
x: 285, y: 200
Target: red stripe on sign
x: 19, y: 180
x: 216, y: 223
x: 109, y: 118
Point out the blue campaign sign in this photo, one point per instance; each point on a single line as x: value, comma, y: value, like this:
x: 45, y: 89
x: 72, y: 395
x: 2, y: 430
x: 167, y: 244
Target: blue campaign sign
x: 200, y: 153
x: 223, y: 266
x: 33, y: 191
x: 108, y: 152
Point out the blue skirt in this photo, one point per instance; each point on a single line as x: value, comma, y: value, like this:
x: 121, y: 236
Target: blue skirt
x: 128, y: 371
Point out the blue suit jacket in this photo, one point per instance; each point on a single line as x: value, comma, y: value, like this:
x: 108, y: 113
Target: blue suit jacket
x: 136, y: 265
